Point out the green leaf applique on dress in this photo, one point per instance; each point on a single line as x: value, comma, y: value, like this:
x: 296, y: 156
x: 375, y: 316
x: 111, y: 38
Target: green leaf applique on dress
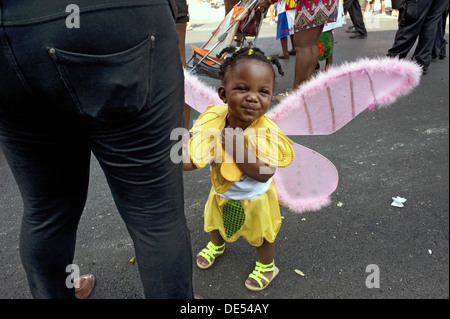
x: 233, y: 217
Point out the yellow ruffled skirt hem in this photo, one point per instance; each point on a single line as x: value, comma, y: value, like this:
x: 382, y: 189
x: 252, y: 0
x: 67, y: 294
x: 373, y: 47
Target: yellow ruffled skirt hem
x: 256, y: 219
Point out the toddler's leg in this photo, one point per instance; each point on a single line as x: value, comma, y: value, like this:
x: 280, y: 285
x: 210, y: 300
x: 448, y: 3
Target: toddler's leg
x: 265, y: 267
x: 266, y: 252
x: 216, y: 238
x: 215, y: 248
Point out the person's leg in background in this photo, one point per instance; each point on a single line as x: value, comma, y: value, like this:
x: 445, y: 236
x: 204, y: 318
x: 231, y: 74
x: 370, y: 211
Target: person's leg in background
x: 363, y: 4
x: 329, y: 60
x: 307, y: 54
x: 410, y: 21
x: 383, y: 7
x: 354, y: 10
x: 440, y: 44
x: 427, y: 34
x: 369, y: 6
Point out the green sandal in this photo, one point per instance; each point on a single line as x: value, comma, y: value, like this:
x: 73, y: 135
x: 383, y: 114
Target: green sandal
x: 210, y: 253
x: 258, y: 276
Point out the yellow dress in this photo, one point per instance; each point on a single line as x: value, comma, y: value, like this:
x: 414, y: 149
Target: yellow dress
x: 232, y: 213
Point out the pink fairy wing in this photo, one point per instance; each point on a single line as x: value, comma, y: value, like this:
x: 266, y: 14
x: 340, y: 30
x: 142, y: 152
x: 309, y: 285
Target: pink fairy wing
x: 320, y: 107
x: 198, y: 94
x: 307, y: 183
x: 333, y: 98
x: 324, y: 105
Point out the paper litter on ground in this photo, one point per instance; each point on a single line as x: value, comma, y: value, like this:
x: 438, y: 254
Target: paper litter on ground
x: 398, y: 201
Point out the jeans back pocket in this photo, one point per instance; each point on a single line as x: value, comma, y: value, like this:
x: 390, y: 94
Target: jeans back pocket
x: 109, y: 87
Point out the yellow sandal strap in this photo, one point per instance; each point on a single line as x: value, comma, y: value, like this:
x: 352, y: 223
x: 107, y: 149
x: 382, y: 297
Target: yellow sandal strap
x: 257, y: 272
x: 210, y: 251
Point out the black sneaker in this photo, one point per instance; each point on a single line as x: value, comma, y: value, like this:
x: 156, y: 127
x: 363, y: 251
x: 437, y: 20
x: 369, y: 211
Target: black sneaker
x: 358, y: 36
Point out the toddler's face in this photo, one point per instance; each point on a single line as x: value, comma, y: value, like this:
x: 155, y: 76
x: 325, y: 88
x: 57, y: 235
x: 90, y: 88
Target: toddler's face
x: 248, y: 90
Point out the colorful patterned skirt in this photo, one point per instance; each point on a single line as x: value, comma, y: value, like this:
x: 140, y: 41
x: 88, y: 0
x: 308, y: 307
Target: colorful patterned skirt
x: 313, y: 13
x: 340, y: 20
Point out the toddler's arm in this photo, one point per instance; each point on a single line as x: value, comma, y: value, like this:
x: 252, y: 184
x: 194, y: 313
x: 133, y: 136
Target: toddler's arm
x: 247, y: 162
x: 187, y: 163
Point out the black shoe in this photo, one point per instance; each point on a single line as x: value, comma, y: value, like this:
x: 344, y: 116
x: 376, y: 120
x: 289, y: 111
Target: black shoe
x: 422, y: 66
x: 358, y: 36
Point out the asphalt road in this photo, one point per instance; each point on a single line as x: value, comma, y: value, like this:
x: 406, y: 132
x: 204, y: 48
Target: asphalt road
x: 399, y: 151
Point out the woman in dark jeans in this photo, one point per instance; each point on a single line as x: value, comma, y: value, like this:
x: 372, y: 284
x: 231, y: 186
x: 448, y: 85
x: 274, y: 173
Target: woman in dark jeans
x: 112, y: 86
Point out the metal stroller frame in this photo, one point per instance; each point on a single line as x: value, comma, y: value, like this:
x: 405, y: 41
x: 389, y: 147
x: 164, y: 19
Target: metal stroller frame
x: 202, y: 60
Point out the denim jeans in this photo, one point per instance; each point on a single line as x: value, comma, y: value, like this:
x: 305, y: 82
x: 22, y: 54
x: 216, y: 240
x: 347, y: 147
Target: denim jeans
x: 112, y: 86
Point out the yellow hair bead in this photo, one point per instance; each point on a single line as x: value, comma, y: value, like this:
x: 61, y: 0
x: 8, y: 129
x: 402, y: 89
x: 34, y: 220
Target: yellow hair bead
x: 250, y: 52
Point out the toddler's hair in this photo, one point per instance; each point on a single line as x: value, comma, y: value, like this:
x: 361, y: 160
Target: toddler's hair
x: 234, y: 56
